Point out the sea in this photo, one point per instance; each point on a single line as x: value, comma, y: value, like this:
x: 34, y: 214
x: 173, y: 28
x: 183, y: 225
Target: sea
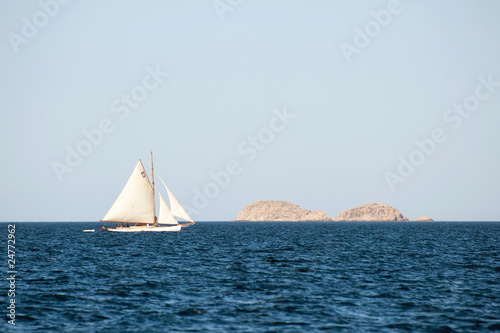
x: 254, y: 277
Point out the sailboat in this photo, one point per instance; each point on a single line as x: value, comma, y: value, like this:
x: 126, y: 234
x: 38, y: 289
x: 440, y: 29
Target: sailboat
x: 134, y: 210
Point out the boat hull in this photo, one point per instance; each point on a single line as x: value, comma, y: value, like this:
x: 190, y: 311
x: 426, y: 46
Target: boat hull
x: 146, y: 229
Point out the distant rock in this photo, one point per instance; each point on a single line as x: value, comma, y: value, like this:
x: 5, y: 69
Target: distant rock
x: 423, y: 219
x: 371, y: 212
x: 279, y: 211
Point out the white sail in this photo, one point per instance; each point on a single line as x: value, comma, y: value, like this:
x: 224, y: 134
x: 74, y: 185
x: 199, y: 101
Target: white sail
x: 136, y: 201
x: 165, y: 216
x: 175, y: 205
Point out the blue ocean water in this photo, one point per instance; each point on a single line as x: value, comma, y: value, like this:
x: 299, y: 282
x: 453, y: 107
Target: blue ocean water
x: 258, y: 277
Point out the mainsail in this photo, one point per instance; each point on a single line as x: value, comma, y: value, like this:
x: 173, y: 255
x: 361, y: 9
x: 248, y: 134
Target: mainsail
x: 136, y: 201
x: 175, y: 205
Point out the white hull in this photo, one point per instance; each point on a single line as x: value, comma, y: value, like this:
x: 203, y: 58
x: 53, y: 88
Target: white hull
x: 146, y: 228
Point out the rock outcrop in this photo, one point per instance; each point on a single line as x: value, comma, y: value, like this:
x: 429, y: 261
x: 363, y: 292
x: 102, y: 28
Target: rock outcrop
x: 279, y: 211
x: 423, y: 219
x: 371, y: 212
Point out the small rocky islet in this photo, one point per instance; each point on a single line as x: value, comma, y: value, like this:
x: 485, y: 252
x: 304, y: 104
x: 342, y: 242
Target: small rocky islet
x: 273, y: 210
x: 279, y: 211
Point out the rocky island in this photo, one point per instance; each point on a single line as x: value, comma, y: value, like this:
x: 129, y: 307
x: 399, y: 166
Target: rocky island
x: 286, y: 211
x: 371, y: 212
x: 423, y: 219
x: 279, y: 211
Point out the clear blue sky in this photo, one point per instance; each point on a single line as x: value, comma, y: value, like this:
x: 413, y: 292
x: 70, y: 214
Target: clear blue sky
x: 317, y: 103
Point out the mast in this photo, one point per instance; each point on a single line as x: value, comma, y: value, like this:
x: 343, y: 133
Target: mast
x: 154, y: 197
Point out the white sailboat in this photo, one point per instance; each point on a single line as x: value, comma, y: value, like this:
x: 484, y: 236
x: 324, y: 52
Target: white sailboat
x: 134, y: 209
